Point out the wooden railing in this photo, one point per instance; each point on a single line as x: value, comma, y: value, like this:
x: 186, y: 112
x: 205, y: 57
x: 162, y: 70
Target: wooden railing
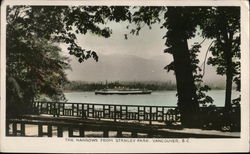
x: 48, y: 126
x: 109, y: 111
x: 81, y: 117
x: 75, y: 128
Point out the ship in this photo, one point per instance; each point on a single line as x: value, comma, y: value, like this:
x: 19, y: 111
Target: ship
x: 122, y: 92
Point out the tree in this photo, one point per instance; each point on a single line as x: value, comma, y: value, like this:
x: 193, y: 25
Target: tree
x: 181, y: 24
x: 60, y: 24
x: 34, y: 65
x: 223, y: 25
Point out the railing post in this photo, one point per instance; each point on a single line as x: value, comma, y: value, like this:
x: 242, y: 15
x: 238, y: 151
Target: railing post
x: 103, y: 110
x: 41, y: 133
x: 110, y: 115
x: 49, y: 131
x: 33, y: 107
x: 59, y: 131
x: 54, y: 109
x: 48, y: 108
x: 58, y: 109
x: 88, y: 110
x: 127, y: 112
x: 138, y: 113
x: 22, y: 129
x: 38, y: 107
x: 94, y: 113
x: 40, y: 130
x: 144, y: 113
x: 82, y: 132
x: 73, y: 108
x: 77, y: 109
x: 150, y: 115
x: 63, y: 109
x: 119, y: 133
x: 14, y: 128
x: 120, y: 112
x: 150, y: 135
x: 115, y: 113
x: 71, y: 131
x: 7, y: 128
x: 134, y: 134
x: 83, y: 113
x: 157, y: 113
x: 163, y: 114
x: 105, y: 133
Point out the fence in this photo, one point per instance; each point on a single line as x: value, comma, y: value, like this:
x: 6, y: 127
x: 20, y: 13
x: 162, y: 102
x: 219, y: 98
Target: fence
x: 74, y: 128
x: 74, y: 117
x: 78, y: 127
x: 109, y: 111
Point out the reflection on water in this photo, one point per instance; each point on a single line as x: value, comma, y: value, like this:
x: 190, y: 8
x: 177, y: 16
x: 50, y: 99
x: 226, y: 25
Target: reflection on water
x: 162, y: 98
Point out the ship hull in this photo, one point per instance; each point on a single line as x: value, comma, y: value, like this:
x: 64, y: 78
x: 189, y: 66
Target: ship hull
x: 120, y: 92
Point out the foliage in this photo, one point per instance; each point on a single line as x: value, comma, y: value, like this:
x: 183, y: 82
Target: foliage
x: 223, y: 25
x: 202, y: 88
x: 34, y: 64
x: 180, y: 23
x: 61, y: 23
x: 186, y: 27
x: 216, y: 118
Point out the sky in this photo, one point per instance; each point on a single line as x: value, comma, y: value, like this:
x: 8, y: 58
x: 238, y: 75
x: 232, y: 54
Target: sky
x: 139, y: 58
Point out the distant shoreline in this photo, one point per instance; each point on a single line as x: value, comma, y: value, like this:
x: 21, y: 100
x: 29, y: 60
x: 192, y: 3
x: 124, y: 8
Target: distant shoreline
x: 149, y: 85
x: 70, y: 91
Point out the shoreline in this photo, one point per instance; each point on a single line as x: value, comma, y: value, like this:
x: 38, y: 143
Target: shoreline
x: 71, y: 91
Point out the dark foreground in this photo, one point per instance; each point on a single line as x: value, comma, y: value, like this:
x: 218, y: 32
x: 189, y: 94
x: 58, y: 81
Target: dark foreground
x: 48, y: 126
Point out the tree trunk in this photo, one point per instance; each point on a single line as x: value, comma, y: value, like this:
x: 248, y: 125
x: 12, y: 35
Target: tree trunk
x: 186, y: 90
x: 229, y: 82
x: 229, y: 74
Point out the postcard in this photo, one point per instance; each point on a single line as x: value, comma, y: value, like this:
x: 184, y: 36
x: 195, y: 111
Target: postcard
x: 89, y: 76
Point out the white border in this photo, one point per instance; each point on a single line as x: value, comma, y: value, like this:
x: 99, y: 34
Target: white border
x: 56, y: 145
x: 130, y: 2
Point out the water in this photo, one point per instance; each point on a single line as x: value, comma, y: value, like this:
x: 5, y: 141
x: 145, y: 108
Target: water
x: 162, y: 98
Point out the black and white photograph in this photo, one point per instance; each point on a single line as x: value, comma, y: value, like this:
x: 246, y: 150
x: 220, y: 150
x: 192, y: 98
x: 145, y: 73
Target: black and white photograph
x: 133, y: 74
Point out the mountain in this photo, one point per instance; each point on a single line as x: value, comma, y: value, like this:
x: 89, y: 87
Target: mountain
x: 114, y: 67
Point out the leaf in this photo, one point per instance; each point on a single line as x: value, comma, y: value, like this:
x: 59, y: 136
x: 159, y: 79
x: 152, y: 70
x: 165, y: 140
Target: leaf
x: 126, y: 36
x: 169, y: 67
x: 80, y: 60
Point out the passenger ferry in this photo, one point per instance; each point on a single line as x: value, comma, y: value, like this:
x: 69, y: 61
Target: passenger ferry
x: 122, y: 92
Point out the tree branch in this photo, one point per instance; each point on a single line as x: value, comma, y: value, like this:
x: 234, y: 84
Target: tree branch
x: 204, y: 62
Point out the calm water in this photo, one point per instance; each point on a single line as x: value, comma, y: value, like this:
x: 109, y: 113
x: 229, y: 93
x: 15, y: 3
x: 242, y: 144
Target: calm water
x: 165, y: 98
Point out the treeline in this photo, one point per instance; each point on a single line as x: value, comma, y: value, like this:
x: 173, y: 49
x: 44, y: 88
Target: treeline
x: 91, y: 86
x: 150, y: 85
